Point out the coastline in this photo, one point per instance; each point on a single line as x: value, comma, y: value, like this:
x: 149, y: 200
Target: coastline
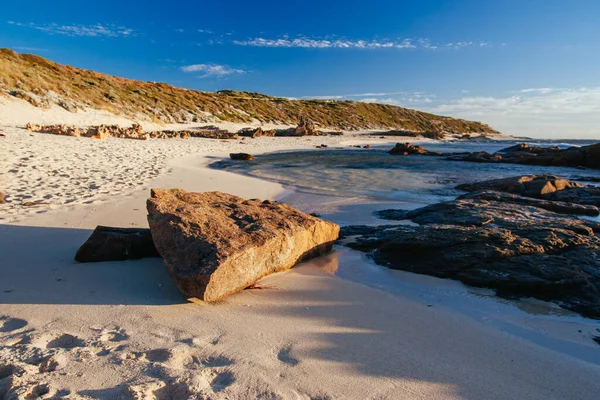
x: 136, y: 333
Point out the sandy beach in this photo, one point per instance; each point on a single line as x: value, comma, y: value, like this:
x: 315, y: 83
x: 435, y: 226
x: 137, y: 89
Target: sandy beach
x: 122, y: 330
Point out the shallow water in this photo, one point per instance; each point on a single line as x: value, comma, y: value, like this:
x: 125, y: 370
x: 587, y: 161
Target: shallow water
x: 375, y: 175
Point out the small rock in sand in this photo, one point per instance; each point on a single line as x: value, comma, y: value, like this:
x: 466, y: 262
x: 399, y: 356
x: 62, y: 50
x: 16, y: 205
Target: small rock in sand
x: 241, y: 156
x: 117, y: 244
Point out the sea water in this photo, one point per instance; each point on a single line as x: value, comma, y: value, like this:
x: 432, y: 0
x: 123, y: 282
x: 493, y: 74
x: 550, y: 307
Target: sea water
x: 374, y: 175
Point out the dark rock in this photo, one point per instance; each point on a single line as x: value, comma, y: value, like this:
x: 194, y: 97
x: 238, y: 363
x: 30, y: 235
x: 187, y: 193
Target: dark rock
x: 558, y: 207
x: 215, y: 244
x: 479, y: 156
x: 117, y: 244
x: 241, y: 156
x: 391, y: 214
x: 517, y: 250
x: 547, y: 187
x: 586, y: 156
x: 407, y: 148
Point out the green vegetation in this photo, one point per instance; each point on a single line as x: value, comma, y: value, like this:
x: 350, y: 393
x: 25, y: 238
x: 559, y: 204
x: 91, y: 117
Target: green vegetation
x: 42, y: 82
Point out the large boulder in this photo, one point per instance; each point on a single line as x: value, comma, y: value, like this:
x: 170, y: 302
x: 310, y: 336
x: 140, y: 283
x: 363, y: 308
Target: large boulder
x: 215, y: 244
x: 518, y: 250
x: 116, y: 244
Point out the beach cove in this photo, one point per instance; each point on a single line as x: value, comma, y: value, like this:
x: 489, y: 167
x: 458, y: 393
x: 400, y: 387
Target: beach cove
x: 335, y: 327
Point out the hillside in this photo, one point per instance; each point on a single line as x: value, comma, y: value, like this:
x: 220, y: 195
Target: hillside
x: 43, y: 83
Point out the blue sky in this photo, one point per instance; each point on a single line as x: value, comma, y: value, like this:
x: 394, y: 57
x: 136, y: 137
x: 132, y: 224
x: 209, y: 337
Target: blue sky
x: 525, y: 67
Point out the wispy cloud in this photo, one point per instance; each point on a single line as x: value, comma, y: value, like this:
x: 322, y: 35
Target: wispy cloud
x: 325, y: 43
x: 24, y: 48
x: 354, y: 95
x: 394, y: 98
x: 210, y: 70
x: 320, y: 43
x: 98, y: 30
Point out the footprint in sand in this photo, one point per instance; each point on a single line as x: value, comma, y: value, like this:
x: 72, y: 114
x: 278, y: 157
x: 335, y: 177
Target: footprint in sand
x: 7, y: 370
x: 65, y: 341
x: 11, y: 324
x: 284, y: 355
x: 113, y: 335
x: 158, y: 355
x: 216, y: 361
x: 222, y: 381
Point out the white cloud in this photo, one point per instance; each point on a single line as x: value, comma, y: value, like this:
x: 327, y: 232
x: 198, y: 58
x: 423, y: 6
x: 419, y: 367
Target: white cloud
x: 541, y: 112
x: 325, y: 43
x: 322, y: 43
x: 212, y: 70
x: 98, y: 30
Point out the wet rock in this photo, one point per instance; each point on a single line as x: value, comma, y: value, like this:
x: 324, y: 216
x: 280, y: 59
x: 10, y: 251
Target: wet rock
x: 117, y: 244
x: 559, y: 207
x: 518, y: 250
x: 241, y: 156
x: 407, y: 148
x: 215, y: 244
x: 479, y: 156
x: 547, y: 187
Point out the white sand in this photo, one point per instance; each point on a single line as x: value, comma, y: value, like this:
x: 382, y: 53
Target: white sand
x: 122, y: 330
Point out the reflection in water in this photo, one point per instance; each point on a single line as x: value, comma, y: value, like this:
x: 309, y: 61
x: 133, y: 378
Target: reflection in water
x: 328, y: 263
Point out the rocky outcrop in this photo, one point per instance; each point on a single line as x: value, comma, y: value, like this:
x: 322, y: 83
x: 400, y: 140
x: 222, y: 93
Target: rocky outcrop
x: 256, y: 132
x: 215, y: 244
x: 526, y: 185
x: 133, y: 132
x: 586, y: 156
x: 241, y: 156
x: 304, y: 128
x: 518, y: 250
x: 116, y: 244
x: 548, y: 187
x: 407, y: 148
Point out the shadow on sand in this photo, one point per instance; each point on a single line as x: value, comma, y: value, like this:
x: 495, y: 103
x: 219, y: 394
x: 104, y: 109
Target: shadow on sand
x: 38, y: 268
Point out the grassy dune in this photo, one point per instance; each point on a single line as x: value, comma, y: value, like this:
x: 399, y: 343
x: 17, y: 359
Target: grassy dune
x: 43, y: 83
